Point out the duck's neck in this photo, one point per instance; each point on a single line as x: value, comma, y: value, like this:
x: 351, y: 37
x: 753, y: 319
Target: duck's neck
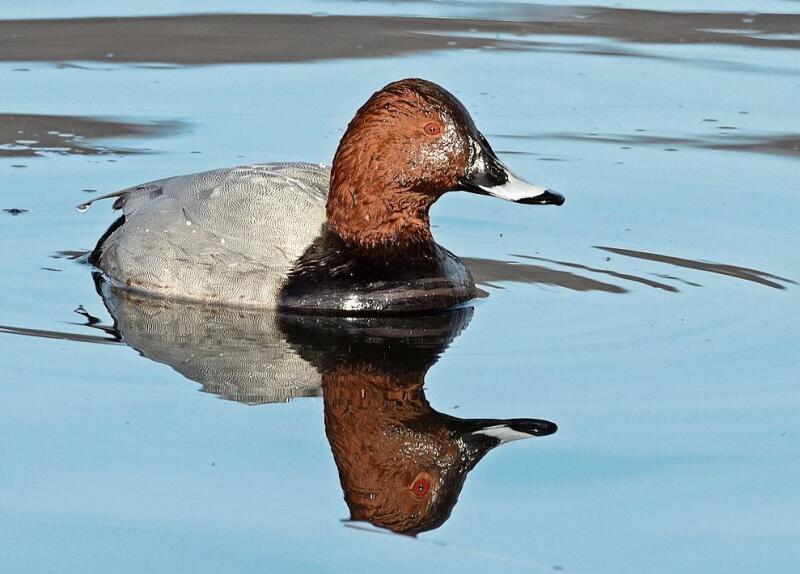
x: 364, y: 385
x: 371, y: 213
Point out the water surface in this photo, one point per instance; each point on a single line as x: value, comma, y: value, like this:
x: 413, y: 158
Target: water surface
x: 652, y: 318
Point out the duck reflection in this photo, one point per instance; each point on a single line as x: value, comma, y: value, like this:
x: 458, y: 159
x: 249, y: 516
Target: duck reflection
x: 401, y: 463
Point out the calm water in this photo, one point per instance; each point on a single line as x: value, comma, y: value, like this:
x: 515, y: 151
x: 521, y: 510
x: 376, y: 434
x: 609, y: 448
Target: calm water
x: 653, y: 317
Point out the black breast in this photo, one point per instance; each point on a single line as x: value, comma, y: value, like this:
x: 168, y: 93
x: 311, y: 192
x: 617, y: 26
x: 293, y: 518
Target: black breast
x: 331, y: 278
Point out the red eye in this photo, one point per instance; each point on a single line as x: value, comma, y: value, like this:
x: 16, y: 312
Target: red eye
x: 432, y: 129
x: 421, y: 486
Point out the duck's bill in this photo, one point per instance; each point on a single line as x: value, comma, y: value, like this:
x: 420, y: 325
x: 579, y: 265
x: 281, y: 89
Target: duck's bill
x: 506, y: 430
x: 488, y: 176
x: 520, y: 191
x: 479, y: 436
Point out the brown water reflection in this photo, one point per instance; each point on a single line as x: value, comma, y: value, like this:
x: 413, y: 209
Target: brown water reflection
x: 746, y: 273
x: 28, y: 135
x: 61, y: 335
x: 776, y: 144
x: 231, y: 38
x: 490, y: 272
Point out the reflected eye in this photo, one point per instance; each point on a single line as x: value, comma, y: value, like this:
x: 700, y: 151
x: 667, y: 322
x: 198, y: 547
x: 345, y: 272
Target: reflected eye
x: 432, y: 129
x: 421, y: 486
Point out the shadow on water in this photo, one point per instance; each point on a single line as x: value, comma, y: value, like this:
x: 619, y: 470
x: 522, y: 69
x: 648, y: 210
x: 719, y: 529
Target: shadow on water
x: 775, y: 144
x: 489, y: 272
x: 28, y: 135
x: 745, y: 273
x: 60, y: 335
x: 239, y: 38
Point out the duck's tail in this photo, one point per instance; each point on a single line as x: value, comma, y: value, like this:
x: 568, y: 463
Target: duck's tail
x: 94, y: 256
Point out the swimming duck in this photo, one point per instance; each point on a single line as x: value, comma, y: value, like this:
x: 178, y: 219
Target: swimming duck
x: 300, y: 237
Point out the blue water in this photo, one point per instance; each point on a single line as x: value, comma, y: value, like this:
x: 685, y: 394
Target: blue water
x: 669, y: 364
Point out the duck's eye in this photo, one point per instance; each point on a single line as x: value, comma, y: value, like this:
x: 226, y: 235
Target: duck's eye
x: 421, y: 486
x: 432, y: 129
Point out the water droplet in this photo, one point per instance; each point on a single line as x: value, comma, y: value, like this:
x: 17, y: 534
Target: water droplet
x: 83, y: 207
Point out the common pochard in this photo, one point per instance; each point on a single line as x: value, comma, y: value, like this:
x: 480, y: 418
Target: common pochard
x: 300, y: 237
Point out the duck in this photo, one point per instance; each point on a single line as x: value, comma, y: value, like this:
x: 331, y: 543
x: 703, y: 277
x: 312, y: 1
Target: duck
x: 351, y: 239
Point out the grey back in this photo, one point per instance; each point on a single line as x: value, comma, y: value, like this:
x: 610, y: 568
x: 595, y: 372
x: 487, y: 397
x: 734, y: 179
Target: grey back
x: 227, y: 236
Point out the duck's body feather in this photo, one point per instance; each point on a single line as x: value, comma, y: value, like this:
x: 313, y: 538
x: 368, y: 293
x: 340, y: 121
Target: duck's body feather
x: 228, y: 235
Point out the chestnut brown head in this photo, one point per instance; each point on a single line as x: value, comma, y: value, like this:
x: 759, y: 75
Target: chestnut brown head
x: 408, y: 144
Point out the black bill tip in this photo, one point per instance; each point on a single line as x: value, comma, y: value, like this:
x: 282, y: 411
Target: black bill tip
x: 549, y: 197
x: 533, y: 427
